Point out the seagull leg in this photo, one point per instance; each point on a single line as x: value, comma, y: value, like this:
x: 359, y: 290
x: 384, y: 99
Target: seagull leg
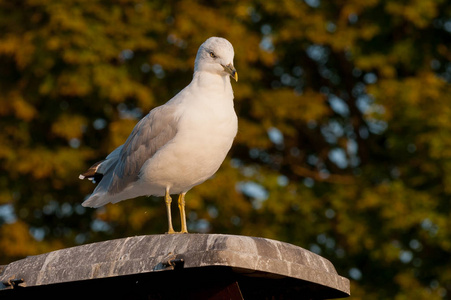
x: 181, y: 202
x: 168, y: 200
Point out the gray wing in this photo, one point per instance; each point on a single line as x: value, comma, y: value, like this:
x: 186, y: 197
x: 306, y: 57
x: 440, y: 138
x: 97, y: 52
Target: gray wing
x: 150, y: 134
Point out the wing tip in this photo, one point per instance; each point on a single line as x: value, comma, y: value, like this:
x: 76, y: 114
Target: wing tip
x: 92, y: 174
x: 96, y: 200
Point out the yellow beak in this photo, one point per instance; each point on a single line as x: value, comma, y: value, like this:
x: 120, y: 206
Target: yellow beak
x: 231, y: 70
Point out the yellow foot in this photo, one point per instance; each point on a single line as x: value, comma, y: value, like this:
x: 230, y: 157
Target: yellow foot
x: 175, y: 232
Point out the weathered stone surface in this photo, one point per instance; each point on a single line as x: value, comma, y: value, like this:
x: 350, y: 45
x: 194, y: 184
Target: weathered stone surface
x: 143, y: 254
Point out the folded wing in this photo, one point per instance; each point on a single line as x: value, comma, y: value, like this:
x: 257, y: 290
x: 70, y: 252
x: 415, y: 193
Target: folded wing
x: 121, y: 168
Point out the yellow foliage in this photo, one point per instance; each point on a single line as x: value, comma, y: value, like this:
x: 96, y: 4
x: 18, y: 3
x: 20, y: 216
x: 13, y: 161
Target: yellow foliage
x: 138, y: 218
x: 22, y: 109
x: 16, y: 241
x: 252, y: 133
x: 16, y: 104
x: 286, y: 104
x: 120, y: 130
x: 20, y: 47
x: 414, y: 288
x: 69, y: 126
x: 44, y: 163
x: 75, y: 84
x: 419, y: 12
x: 5, y: 197
x: 117, y: 86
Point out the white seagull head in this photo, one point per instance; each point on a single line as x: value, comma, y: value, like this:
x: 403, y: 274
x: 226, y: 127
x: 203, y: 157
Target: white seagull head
x: 215, y: 55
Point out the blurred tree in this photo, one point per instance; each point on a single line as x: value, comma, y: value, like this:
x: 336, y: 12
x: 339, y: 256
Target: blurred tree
x: 343, y: 146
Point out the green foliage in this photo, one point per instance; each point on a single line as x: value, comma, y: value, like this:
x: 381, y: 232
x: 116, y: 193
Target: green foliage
x: 344, y: 127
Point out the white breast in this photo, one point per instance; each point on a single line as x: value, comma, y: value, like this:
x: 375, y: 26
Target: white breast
x: 207, y: 127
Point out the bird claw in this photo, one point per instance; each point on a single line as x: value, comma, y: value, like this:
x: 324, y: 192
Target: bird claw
x: 176, y: 232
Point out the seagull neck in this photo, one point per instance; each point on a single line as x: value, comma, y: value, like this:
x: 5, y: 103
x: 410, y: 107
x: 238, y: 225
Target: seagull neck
x: 207, y: 80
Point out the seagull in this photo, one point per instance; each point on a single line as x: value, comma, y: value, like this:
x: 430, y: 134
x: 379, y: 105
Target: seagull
x: 177, y: 145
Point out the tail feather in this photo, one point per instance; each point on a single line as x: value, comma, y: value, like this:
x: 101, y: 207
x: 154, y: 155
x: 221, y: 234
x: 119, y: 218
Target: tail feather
x: 101, y: 172
x: 96, y: 200
x: 96, y: 172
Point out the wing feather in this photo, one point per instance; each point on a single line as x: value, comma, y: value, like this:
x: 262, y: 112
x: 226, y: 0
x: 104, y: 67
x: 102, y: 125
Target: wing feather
x: 150, y: 134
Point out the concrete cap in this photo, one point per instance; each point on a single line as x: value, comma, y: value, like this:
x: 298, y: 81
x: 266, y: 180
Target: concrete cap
x: 247, y: 256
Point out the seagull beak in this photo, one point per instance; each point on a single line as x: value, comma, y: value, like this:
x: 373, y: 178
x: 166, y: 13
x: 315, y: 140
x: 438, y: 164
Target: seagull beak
x: 231, y: 70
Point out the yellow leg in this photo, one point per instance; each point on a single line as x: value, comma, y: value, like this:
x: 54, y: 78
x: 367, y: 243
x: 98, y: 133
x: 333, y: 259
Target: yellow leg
x: 181, y: 202
x: 168, y: 200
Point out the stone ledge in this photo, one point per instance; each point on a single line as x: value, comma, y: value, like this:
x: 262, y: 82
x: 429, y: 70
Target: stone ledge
x: 245, y: 256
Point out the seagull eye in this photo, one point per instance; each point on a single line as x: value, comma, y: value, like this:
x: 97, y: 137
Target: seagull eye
x: 212, y: 54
